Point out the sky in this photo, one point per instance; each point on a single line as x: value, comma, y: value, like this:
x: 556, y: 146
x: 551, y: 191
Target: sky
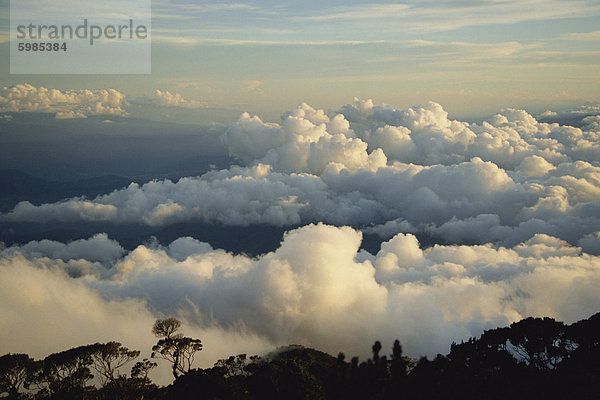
x: 475, y: 57
x: 327, y: 175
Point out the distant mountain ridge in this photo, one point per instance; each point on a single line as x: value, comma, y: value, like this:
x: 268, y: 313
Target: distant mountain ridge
x: 19, y: 186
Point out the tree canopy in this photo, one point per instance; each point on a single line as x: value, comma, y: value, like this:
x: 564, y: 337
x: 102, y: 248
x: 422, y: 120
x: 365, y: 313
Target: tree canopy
x: 173, y: 346
x: 536, y: 358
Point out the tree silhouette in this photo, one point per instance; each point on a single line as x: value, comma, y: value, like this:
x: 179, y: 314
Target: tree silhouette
x: 166, y: 328
x: 141, y: 369
x: 398, y: 369
x: 15, y: 372
x: 232, y: 366
x: 174, y: 347
x: 540, y: 342
x: 108, y: 358
x: 66, y: 373
x: 376, y: 349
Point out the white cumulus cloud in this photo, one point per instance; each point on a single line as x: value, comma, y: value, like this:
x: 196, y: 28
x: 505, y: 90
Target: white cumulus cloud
x: 316, y: 289
x: 168, y: 99
x: 65, y: 103
x: 378, y: 168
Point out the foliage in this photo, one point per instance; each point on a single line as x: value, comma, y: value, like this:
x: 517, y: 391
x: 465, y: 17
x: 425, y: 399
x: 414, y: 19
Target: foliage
x: 108, y: 358
x: 141, y: 369
x: 166, y: 328
x: 16, y: 371
x: 66, y: 373
x: 174, y: 347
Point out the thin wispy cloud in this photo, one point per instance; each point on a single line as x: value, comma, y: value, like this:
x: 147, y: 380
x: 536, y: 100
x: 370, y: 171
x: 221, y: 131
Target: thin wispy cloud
x: 243, y: 42
x: 189, y: 11
x: 454, y: 15
x: 253, y: 86
x: 583, y: 36
x: 375, y: 11
x: 459, y: 53
x: 204, y: 30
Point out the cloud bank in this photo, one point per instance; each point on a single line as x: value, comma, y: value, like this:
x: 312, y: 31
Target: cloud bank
x: 168, y: 99
x: 316, y: 289
x: 382, y: 170
x: 66, y: 104
x: 70, y: 104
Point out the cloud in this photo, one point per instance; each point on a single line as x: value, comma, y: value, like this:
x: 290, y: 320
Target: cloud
x: 316, y: 289
x: 592, y: 122
x: 192, y: 41
x: 70, y: 115
x: 534, y: 166
x: 507, y: 139
x: 549, y: 113
x: 573, y: 113
x: 46, y: 310
x: 187, y: 11
x: 377, y: 168
x: 365, y: 12
x: 591, y: 243
x: 253, y: 86
x: 253, y: 195
x: 434, y: 17
x: 306, y: 141
x: 72, y: 104
x: 66, y: 104
x: 168, y: 99
x: 581, y: 36
x: 509, y: 209
x: 98, y: 248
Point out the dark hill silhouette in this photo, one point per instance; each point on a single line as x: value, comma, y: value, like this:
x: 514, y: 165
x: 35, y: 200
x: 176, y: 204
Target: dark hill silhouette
x: 19, y: 186
x: 536, y: 358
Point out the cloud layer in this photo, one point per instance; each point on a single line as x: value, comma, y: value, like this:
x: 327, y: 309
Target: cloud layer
x: 316, y: 289
x: 66, y: 104
x: 168, y: 99
x: 381, y: 169
x: 69, y: 104
x: 512, y: 203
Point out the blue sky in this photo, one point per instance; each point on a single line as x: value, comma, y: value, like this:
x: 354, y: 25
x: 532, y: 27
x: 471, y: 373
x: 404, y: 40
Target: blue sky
x: 474, y: 57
